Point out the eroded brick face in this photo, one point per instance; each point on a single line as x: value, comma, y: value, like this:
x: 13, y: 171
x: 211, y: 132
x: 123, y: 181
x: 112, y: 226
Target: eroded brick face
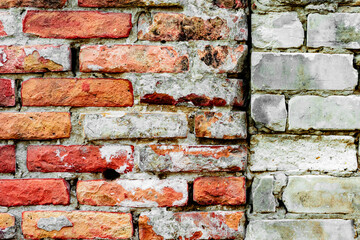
x: 30, y: 3
x: 8, y: 159
x: 7, y: 92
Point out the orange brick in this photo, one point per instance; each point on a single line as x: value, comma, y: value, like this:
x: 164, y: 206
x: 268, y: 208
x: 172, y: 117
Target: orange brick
x: 30, y: 3
x: 35, y: 125
x: 7, y: 226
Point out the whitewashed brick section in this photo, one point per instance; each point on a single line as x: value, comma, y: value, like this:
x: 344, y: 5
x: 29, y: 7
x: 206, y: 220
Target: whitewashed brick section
x: 304, y: 229
x: 277, y: 30
x: 269, y: 111
x: 302, y: 71
x: 322, y: 194
x: 334, y: 30
x: 263, y: 199
x: 324, y: 113
x: 299, y: 153
x: 8, y: 24
x: 115, y: 125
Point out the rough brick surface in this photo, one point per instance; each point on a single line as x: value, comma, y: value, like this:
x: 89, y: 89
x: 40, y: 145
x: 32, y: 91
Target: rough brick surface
x: 235, y: 4
x: 133, y: 193
x: 77, y: 158
x: 129, y: 3
x: 7, y: 92
x: 7, y: 24
x: 35, y: 125
x: 191, y: 225
x: 77, y: 92
x: 7, y: 159
x: 34, y: 192
x: 263, y: 199
x: 322, y: 153
x: 316, y: 229
x: 281, y: 71
x: 27, y: 3
x: 187, y: 158
x: 7, y: 226
x: 220, y: 190
x: 115, y: 125
x: 77, y: 24
x: 227, y: 125
x: 132, y: 58
x: 79, y: 225
x: 36, y: 58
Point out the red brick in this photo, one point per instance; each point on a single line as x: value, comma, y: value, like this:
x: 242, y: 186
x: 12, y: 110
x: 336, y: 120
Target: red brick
x: 133, y: 193
x: 220, y: 190
x: 77, y: 24
x: 31, y: 3
x: 21, y: 192
x: 77, y: 92
x: 191, y: 225
x: 35, y: 125
x: 235, y: 4
x: 7, y: 226
x: 77, y: 158
x: 76, y: 225
x: 7, y: 92
x: 7, y: 159
x: 197, y: 158
x: 128, y: 3
x: 132, y: 58
x: 36, y: 58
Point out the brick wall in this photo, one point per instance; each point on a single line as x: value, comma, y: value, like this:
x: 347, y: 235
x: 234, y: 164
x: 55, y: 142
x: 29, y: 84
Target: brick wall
x: 179, y: 119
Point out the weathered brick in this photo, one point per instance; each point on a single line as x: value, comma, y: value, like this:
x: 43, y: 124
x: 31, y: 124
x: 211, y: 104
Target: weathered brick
x: 21, y: 192
x: 227, y: 125
x: 77, y: 158
x: 212, y: 91
x: 132, y: 58
x: 221, y: 58
x: 27, y: 3
x: 263, y: 199
x: 133, y: 193
x: 7, y: 226
x: 235, y: 4
x: 7, y: 24
x: 115, y: 125
x: 299, y: 153
x: 302, y: 71
x: 129, y: 3
x: 269, y: 111
x: 334, y: 30
x: 220, y: 190
x: 36, y: 58
x: 192, y: 158
x: 76, y: 225
x: 35, y: 125
x: 77, y: 92
x: 277, y: 30
x: 159, y: 224
x: 7, y: 92
x: 179, y: 27
x: 324, y: 113
x: 315, y: 229
x: 7, y: 159
x: 322, y: 194
x: 77, y: 24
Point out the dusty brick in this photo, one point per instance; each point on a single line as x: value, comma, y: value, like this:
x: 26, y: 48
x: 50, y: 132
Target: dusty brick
x: 29, y: 3
x: 132, y: 58
x: 263, y: 199
x: 36, y: 58
x: 22, y: 192
x: 159, y: 224
x: 229, y: 125
x: 133, y: 193
x: 35, y: 125
x: 76, y: 225
x: 7, y: 226
x: 77, y: 158
x: 221, y: 58
x: 129, y: 3
x: 115, y: 125
x: 77, y: 24
x: 315, y: 229
x: 7, y: 24
x: 7, y: 159
x: 179, y: 27
x: 212, y: 91
x: 235, y: 4
x: 192, y: 158
x: 220, y: 190
x: 77, y: 92
x: 7, y: 92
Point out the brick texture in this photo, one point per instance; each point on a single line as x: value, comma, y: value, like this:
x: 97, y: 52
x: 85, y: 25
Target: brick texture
x: 7, y: 92
x: 37, y: 4
x: 8, y: 159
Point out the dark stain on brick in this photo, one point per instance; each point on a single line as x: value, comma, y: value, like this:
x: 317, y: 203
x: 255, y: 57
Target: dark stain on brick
x: 214, y: 56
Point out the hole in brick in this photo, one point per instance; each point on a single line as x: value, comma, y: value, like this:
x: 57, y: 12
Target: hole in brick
x: 111, y: 174
x: 163, y: 41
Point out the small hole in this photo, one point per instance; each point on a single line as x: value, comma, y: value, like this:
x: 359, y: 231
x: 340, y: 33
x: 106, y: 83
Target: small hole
x: 111, y: 174
x: 163, y: 41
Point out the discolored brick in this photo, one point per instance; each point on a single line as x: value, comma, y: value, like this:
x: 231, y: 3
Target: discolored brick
x: 129, y: 3
x: 7, y: 92
x: 7, y: 226
x: 30, y: 3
